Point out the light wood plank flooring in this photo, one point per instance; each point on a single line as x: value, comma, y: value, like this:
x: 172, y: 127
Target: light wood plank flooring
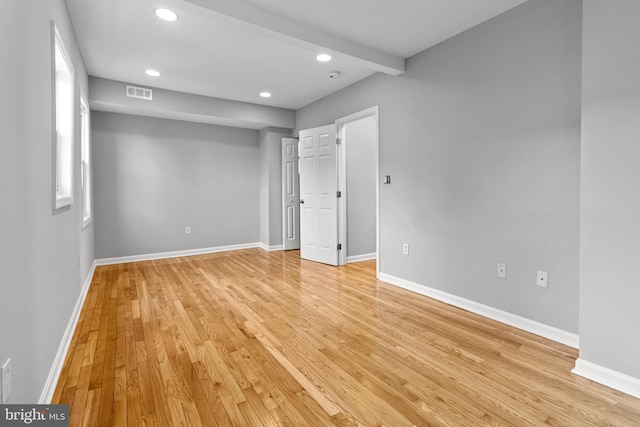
x: 254, y: 338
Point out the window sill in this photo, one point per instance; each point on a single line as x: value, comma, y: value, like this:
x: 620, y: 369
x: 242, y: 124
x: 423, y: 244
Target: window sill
x: 62, y: 201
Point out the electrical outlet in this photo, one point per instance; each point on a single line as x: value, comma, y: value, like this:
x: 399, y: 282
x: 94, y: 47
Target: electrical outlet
x: 501, y: 270
x: 187, y: 230
x: 542, y: 279
x: 405, y: 249
x: 6, y: 380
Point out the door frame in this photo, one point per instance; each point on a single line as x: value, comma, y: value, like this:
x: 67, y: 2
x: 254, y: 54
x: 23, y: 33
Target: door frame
x: 342, y: 180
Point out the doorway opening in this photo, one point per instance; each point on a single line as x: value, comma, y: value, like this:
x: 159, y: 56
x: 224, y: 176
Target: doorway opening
x: 350, y: 232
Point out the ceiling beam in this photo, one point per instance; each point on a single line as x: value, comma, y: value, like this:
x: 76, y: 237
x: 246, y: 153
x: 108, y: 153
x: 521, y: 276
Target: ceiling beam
x: 110, y: 96
x: 295, y: 33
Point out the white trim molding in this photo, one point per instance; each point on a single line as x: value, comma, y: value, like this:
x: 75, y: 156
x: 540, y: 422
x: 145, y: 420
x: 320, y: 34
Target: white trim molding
x: 363, y: 257
x: 546, y: 331
x: 608, y: 377
x: 58, y: 362
x: 268, y: 248
x: 342, y: 182
x: 175, y: 254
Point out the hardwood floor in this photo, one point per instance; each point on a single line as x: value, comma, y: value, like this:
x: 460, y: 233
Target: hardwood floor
x: 254, y: 338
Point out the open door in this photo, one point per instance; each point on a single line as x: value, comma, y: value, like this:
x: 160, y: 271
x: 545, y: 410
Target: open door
x: 290, y: 195
x: 319, y: 195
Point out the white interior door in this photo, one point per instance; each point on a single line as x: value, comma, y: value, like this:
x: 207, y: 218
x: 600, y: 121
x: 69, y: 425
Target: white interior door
x: 318, y: 195
x: 290, y: 195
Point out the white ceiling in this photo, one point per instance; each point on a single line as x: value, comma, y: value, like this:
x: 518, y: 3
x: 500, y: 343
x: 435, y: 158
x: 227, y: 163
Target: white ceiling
x: 234, y: 49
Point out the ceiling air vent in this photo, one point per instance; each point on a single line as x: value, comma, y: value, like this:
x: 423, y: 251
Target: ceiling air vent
x: 140, y: 93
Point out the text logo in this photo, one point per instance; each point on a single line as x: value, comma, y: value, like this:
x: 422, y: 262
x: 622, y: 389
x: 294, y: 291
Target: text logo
x: 34, y: 415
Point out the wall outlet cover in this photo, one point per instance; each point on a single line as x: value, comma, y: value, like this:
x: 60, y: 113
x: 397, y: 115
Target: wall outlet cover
x: 501, y: 270
x: 542, y: 279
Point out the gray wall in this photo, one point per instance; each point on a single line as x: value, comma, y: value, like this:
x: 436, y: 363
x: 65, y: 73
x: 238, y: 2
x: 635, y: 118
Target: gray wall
x: 610, y: 196
x: 361, y: 178
x: 44, y: 255
x: 271, y: 185
x: 154, y: 177
x: 481, y: 137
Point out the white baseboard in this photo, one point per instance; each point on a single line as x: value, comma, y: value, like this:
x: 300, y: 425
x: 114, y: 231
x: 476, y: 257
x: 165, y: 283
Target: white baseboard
x: 271, y: 248
x: 523, y: 323
x: 58, y: 362
x: 364, y: 257
x: 175, y: 254
x: 605, y: 376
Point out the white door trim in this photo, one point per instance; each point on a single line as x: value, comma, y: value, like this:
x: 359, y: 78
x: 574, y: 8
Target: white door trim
x: 342, y: 182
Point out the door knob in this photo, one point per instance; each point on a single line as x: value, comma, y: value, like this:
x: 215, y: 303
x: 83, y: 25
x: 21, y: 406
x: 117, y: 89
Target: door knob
x: 301, y: 201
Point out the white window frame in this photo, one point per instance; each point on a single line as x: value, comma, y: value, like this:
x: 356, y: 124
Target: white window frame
x: 85, y: 159
x: 63, y: 121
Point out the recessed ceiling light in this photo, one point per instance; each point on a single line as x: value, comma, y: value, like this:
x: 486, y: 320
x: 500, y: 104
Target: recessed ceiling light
x: 265, y: 94
x: 323, y: 57
x: 152, y: 73
x: 167, y: 15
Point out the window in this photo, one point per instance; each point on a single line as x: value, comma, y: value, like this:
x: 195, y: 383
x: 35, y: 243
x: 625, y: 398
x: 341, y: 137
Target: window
x: 63, y: 84
x: 85, y: 156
